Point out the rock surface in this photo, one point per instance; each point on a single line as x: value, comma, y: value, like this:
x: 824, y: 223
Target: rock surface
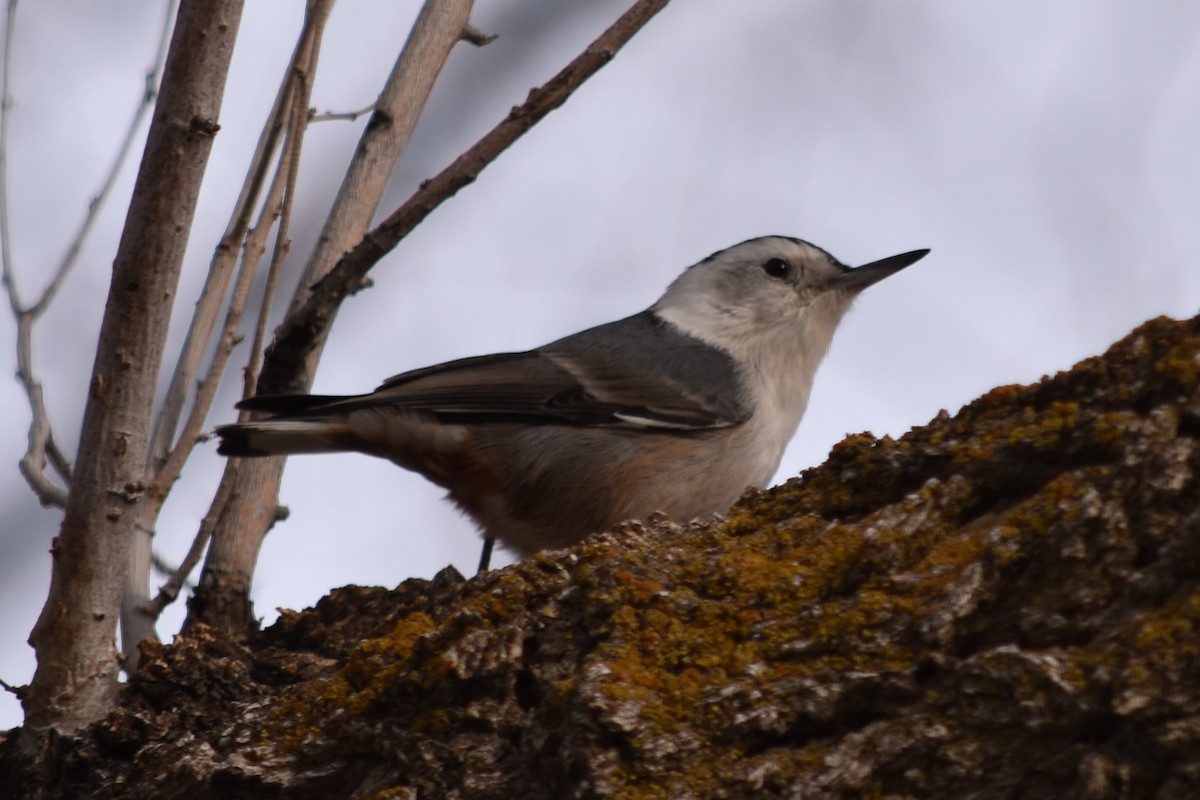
x: 1002, y: 604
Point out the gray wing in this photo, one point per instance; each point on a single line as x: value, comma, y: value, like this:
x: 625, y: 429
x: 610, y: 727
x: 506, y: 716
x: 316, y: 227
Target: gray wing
x: 640, y: 372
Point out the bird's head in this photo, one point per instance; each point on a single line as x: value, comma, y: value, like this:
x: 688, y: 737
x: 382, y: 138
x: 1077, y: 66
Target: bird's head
x: 769, y: 290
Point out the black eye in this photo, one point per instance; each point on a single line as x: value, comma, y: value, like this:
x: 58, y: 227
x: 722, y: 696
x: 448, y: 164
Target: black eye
x: 777, y: 268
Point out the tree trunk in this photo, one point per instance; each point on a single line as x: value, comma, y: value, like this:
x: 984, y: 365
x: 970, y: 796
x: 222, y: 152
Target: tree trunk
x: 75, y: 682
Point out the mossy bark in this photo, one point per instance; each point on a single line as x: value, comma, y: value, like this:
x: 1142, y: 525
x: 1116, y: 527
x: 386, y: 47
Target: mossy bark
x: 1001, y: 604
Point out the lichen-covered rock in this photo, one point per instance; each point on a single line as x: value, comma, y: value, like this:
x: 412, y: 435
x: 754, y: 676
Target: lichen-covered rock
x: 1002, y: 604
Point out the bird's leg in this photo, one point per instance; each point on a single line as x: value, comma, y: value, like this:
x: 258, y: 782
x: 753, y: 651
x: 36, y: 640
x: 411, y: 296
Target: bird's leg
x: 485, y: 557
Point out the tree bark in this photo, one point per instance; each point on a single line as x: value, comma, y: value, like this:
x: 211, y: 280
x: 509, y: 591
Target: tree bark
x: 1000, y: 604
x: 75, y: 682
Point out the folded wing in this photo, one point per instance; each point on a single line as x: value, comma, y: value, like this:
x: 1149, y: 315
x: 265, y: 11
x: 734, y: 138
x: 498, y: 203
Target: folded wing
x: 635, y: 380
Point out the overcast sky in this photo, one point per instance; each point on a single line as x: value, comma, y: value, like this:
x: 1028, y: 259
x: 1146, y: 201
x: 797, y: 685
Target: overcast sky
x: 1045, y: 152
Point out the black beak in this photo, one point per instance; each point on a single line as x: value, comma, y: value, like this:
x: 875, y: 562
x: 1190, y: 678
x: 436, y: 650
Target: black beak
x: 862, y: 277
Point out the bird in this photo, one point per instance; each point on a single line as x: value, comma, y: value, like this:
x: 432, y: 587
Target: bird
x: 677, y: 409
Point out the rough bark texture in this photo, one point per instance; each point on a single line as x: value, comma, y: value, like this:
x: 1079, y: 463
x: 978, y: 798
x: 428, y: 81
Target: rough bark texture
x: 1002, y: 604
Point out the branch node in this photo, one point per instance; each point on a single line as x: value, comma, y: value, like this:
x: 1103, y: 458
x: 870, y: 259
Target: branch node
x: 473, y: 35
x: 348, y: 116
x: 205, y: 127
x: 16, y: 691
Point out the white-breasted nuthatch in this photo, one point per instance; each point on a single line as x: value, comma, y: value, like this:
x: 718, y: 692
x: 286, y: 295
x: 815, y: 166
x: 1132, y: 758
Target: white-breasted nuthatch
x: 677, y: 409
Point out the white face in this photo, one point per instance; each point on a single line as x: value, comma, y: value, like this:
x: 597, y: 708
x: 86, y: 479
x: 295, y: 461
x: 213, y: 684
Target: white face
x: 761, y: 290
x: 773, y: 304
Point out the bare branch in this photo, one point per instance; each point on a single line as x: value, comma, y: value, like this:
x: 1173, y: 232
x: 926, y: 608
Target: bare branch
x: 221, y: 268
x: 74, y: 637
x: 436, y: 30
x: 290, y: 166
x: 222, y: 598
x: 149, y: 93
x: 33, y: 463
x: 161, y: 566
x: 6, y: 265
x: 170, y: 590
x: 470, y: 34
x: 41, y: 446
x: 167, y: 461
x: 290, y: 113
x: 302, y: 331
x: 16, y: 691
x: 341, y: 116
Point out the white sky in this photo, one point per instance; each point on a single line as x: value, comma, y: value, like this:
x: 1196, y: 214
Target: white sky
x: 1046, y: 153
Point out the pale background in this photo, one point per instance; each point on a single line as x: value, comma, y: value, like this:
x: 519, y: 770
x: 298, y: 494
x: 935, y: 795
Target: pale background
x: 1045, y: 152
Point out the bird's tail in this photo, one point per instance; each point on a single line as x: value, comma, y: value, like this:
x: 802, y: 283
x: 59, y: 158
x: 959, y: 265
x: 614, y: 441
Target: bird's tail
x: 299, y: 427
x: 282, y: 437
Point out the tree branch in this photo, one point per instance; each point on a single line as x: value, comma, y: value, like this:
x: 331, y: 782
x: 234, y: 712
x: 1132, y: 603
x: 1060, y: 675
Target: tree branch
x: 137, y: 616
x: 145, y: 103
x: 222, y: 598
x: 341, y: 116
x: 290, y: 166
x: 278, y: 204
x: 10, y: 284
x: 75, y: 681
x: 33, y: 463
x: 171, y: 588
x: 222, y: 267
x: 290, y: 115
x: 41, y: 446
x: 302, y: 331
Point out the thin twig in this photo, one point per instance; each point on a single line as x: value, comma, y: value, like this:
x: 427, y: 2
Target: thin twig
x: 342, y: 116
x: 256, y: 242
x: 291, y: 158
x: 477, y: 37
x: 292, y: 105
x: 171, y: 588
x: 41, y: 446
x: 220, y: 272
x: 10, y: 283
x: 165, y: 460
x: 33, y: 463
x: 16, y: 691
x: 149, y: 93
x: 172, y: 465
x: 224, y: 586
x: 295, y: 338
x: 436, y: 30
x: 276, y: 204
x: 39, y: 439
x: 161, y: 566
